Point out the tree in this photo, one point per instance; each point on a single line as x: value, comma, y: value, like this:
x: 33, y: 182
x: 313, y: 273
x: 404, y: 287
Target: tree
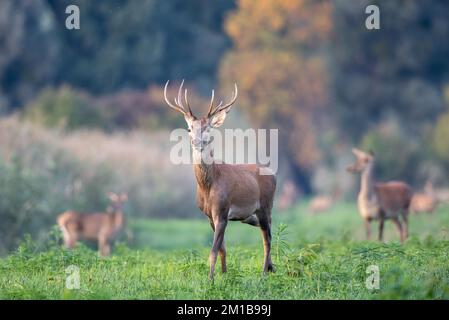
x: 120, y: 45
x: 277, y: 62
x: 28, y: 50
x: 131, y: 44
x: 398, y: 70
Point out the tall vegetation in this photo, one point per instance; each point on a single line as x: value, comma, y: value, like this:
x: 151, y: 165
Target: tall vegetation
x: 45, y: 172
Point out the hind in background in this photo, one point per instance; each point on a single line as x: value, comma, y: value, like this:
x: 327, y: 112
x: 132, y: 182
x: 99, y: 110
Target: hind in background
x: 102, y: 227
x: 381, y: 201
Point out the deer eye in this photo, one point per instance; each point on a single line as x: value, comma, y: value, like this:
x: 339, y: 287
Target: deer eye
x: 188, y: 130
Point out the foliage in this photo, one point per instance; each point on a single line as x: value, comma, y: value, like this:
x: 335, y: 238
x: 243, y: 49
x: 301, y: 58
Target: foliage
x: 120, y: 45
x: 280, y: 72
x: 30, y: 49
x: 397, y: 70
x: 66, y: 108
x: 440, y: 141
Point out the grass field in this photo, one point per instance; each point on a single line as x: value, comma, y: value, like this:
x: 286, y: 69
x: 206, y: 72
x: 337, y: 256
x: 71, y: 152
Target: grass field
x: 316, y: 257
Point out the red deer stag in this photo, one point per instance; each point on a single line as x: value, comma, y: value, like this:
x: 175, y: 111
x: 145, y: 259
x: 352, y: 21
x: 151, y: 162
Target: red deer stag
x: 381, y: 201
x: 226, y: 192
x: 101, y: 227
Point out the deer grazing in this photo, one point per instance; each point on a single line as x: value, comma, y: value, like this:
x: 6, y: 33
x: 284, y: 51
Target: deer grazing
x: 226, y: 192
x: 424, y: 201
x: 323, y: 203
x: 101, y: 227
x: 381, y: 201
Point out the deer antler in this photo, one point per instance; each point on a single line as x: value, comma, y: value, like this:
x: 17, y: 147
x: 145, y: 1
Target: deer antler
x: 213, y: 110
x: 178, y: 101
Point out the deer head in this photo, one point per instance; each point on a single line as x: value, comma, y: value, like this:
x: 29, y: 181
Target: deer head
x: 116, y: 201
x: 199, y: 128
x: 362, y: 162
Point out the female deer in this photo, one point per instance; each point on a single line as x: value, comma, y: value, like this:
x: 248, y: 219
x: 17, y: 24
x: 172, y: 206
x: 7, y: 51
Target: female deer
x: 381, y: 201
x: 101, y: 227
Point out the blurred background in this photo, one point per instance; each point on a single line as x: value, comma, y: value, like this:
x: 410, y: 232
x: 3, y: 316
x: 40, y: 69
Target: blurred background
x: 82, y: 111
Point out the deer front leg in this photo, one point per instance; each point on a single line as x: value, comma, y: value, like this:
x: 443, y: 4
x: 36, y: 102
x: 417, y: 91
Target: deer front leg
x: 381, y: 229
x: 69, y: 237
x: 405, y: 224
x: 220, y: 227
x: 221, y: 251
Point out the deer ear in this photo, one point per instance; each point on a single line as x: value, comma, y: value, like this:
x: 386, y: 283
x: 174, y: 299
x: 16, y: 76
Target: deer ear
x: 356, y: 152
x: 112, y: 196
x: 218, y: 118
x: 124, y: 197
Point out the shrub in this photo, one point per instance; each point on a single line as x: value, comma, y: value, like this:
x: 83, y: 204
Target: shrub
x: 65, y: 107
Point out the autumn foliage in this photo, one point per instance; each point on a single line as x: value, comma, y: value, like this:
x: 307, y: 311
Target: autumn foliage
x: 282, y: 76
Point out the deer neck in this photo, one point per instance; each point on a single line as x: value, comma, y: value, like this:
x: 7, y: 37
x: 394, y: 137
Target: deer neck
x: 367, y: 182
x: 203, y: 168
x: 118, y: 218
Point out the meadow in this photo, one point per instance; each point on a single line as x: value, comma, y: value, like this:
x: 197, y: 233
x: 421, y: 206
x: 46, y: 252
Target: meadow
x: 316, y: 257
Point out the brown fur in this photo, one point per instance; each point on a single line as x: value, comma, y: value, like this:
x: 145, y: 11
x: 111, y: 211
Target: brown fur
x: 227, y: 192
x: 425, y: 201
x: 100, y: 227
x: 422, y: 202
x: 381, y: 201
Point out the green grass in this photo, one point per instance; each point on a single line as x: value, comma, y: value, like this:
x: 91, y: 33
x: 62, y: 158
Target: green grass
x: 316, y: 257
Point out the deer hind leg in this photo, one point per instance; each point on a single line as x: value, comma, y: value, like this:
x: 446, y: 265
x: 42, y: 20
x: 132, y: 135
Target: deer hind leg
x: 398, y: 225
x: 220, y: 227
x: 265, y: 226
x: 221, y: 251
